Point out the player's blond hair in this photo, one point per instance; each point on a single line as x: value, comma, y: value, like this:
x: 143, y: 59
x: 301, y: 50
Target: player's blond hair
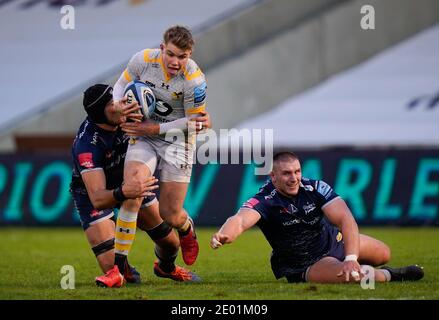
x: 180, y: 36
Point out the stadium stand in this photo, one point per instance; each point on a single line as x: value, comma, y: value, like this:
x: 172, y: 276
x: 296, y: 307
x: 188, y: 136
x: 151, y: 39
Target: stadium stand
x: 391, y: 99
x: 304, y: 43
x: 57, y: 64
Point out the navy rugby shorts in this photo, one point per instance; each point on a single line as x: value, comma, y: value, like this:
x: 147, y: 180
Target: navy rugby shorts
x: 299, y: 274
x: 88, y: 215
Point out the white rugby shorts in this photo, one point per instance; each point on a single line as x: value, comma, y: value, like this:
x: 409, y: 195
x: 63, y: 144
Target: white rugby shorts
x: 174, y: 161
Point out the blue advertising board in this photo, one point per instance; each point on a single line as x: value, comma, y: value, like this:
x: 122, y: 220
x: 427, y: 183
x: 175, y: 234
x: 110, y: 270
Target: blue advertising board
x: 386, y: 186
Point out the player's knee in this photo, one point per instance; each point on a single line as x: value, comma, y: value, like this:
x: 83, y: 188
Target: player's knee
x: 135, y: 171
x: 172, y: 215
x: 381, y: 255
x: 132, y: 205
x: 133, y: 179
x: 385, y: 254
x: 174, y: 220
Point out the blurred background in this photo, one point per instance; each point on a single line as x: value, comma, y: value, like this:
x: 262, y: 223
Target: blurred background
x: 360, y: 107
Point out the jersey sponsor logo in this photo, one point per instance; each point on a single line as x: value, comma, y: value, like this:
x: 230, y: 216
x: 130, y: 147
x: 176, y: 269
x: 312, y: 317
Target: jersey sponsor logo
x: 197, y: 105
x: 309, y: 207
x: 271, y: 195
x: 162, y: 108
x: 308, y: 188
x: 200, y: 93
x: 164, y: 85
x: 293, y: 208
x: 124, y: 230
x: 251, y: 203
x: 86, y: 160
x: 339, y: 237
x: 95, y: 213
x: 176, y: 95
x: 95, y: 138
x: 149, y: 83
x: 264, y: 185
x: 312, y: 222
x: 324, y: 189
x: 291, y: 222
x: 83, y: 130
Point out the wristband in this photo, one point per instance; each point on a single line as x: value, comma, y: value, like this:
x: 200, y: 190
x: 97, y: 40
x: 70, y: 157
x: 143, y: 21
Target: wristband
x: 118, y: 194
x: 351, y: 257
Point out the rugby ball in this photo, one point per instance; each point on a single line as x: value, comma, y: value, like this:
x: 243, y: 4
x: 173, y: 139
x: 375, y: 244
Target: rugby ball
x: 140, y: 92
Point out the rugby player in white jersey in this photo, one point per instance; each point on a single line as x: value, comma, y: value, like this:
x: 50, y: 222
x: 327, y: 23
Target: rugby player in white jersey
x: 180, y: 90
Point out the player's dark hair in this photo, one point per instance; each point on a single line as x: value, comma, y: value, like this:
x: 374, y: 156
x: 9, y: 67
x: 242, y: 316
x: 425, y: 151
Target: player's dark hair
x: 180, y: 36
x: 285, y: 156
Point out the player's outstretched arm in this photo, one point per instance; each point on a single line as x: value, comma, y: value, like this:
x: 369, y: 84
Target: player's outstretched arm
x: 243, y: 220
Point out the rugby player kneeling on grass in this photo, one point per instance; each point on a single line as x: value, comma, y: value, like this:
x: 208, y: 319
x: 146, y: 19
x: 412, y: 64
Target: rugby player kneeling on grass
x: 311, y: 230
x: 97, y: 188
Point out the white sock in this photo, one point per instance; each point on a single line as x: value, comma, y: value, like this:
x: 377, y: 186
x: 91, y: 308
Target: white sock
x: 386, y: 274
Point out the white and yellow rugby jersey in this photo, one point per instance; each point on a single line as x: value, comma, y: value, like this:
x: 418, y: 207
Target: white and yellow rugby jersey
x: 177, y: 97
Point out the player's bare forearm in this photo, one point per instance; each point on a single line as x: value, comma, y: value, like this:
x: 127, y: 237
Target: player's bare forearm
x: 351, y: 236
x: 145, y: 128
x: 227, y: 234
x: 234, y: 226
x: 103, y: 199
x: 231, y: 229
x: 351, y: 268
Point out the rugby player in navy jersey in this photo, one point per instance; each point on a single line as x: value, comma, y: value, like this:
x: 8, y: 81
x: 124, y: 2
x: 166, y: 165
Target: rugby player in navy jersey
x: 97, y: 188
x: 311, y: 230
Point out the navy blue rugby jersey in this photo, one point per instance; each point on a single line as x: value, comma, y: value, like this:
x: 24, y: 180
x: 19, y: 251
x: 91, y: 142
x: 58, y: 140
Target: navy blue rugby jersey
x: 95, y: 148
x: 295, y: 227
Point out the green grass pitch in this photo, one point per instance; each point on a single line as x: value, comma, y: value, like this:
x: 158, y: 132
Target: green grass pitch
x: 31, y: 261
